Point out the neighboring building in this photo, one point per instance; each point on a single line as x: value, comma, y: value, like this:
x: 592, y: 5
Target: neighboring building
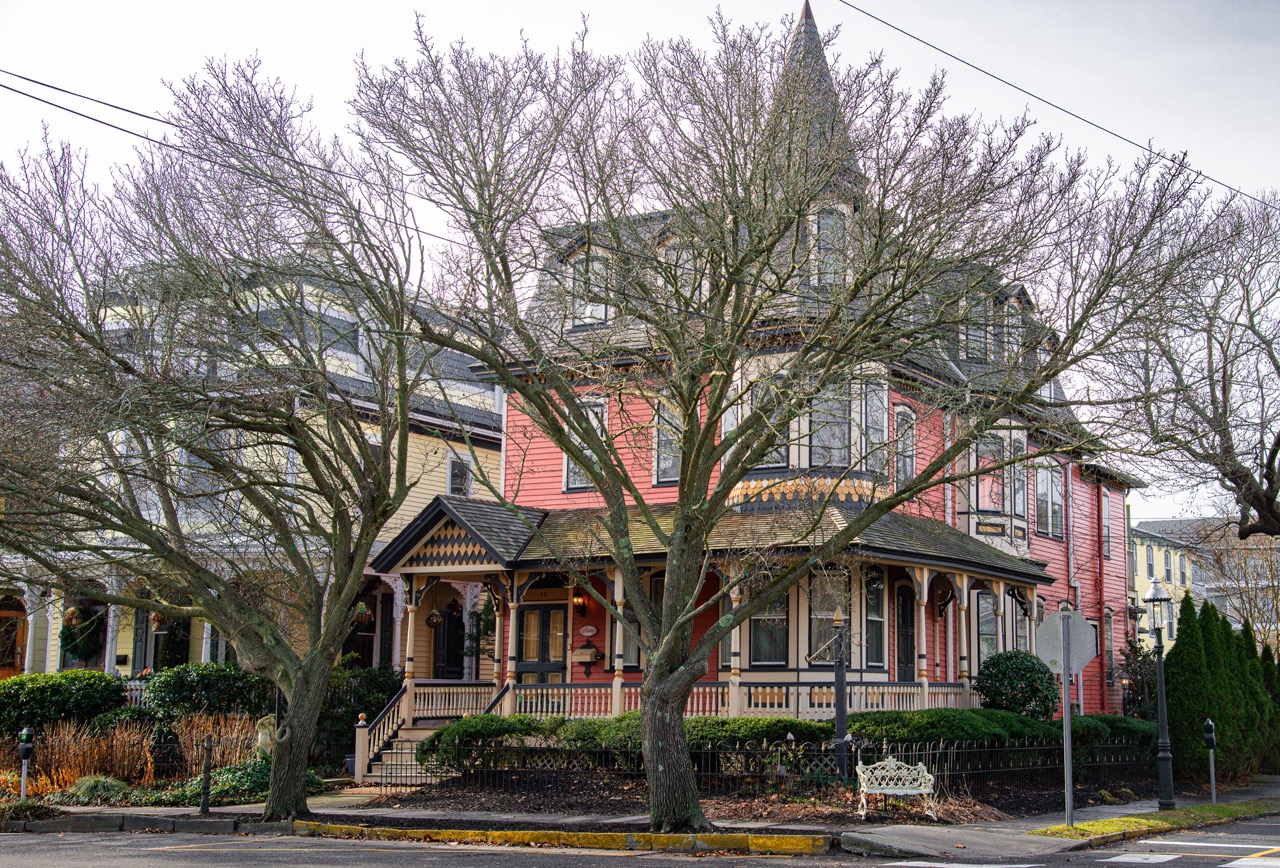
x: 964, y: 571
x: 1162, y: 552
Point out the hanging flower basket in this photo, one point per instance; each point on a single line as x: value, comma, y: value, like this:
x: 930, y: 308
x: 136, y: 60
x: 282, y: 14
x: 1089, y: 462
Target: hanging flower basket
x: 157, y: 619
x: 363, y: 614
x: 434, y: 619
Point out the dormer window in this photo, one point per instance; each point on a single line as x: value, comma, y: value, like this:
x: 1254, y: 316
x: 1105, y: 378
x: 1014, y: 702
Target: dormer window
x: 976, y: 325
x: 829, y: 247
x: 590, y: 282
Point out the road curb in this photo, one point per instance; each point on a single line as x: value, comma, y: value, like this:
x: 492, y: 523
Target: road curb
x: 107, y: 822
x: 865, y: 845
x: 696, y: 843
x: 1133, y: 834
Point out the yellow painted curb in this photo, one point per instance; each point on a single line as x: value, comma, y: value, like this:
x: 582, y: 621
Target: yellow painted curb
x: 788, y: 844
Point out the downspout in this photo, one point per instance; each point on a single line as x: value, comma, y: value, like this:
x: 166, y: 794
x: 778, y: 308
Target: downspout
x: 948, y: 490
x: 1102, y: 622
x: 500, y: 407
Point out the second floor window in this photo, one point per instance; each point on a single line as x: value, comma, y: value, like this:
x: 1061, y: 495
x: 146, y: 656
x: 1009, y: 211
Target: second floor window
x: 904, y: 456
x: 1018, y: 473
x: 829, y: 429
x: 1049, y: 501
x: 1106, y: 523
x: 875, y: 406
x: 575, y: 477
x: 667, y: 467
x: 1168, y: 567
x: 1151, y: 564
x: 762, y: 395
x: 990, y: 480
x: 460, y: 476
x: 1182, y: 570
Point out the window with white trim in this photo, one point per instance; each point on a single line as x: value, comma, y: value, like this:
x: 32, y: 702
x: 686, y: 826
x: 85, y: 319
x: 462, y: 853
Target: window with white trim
x: 1106, y: 522
x: 1019, y: 476
x: 590, y: 282
x: 988, y: 627
x: 1182, y: 570
x: 768, y: 634
x: 1049, y: 501
x: 576, y: 479
x: 904, y: 456
x: 666, y: 445
x: 1151, y: 564
x: 461, y: 475
x: 828, y: 591
x: 762, y: 393
x: 875, y: 408
x: 873, y: 589
x: 1168, y: 567
x: 829, y: 429
x: 990, y: 479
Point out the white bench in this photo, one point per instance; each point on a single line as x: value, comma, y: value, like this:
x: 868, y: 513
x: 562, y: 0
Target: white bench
x: 894, y: 778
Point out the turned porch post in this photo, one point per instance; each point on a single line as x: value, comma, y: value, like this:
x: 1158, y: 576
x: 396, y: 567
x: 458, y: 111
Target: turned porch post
x: 962, y: 615
x: 922, y: 636
x: 31, y: 599
x: 411, y: 613
x: 619, y: 637
x: 509, y: 700
x: 735, y: 657
x: 997, y: 599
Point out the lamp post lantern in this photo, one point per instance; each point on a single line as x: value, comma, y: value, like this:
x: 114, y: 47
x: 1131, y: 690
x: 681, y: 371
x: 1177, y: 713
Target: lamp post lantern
x: 1159, y: 609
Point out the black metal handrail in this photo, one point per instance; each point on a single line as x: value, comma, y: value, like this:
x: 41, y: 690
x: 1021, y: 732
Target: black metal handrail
x: 493, y: 703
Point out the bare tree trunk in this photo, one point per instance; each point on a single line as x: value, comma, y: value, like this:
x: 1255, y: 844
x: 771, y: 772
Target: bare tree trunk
x: 673, y: 791
x: 287, y: 795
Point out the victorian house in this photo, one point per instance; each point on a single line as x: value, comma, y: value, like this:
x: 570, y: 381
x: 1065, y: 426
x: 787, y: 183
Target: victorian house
x: 964, y: 571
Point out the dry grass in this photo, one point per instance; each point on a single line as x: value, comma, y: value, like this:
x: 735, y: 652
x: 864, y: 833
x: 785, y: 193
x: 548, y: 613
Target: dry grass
x: 235, y: 738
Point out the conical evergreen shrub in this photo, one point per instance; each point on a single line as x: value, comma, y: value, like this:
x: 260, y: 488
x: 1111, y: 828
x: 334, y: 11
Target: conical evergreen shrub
x: 1269, y: 679
x: 1187, y: 690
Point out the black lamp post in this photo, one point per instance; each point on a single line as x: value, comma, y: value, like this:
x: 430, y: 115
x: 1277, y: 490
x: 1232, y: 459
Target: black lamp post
x: 1159, y: 608
x: 1125, y: 681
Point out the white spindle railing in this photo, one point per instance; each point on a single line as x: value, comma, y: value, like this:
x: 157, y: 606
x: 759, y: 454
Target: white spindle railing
x: 133, y: 691
x: 450, y: 699
x: 566, y: 700
x: 949, y: 696
x: 630, y: 697
x: 708, y: 700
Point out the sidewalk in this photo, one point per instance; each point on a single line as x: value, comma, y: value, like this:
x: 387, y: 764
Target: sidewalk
x: 1010, y: 838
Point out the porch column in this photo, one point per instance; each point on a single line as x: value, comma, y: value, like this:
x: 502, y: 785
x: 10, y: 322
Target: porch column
x: 922, y: 636
x: 30, y: 599
x: 206, y: 644
x: 1031, y: 619
x: 53, y: 651
x: 397, y: 613
x: 997, y: 599
x: 962, y: 615
x: 509, y: 700
x: 411, y: 612
x: 735, y: 657
x: 498, y: 623
x: 619, y: 637
x: 951, y: 643
x: 113, y: 638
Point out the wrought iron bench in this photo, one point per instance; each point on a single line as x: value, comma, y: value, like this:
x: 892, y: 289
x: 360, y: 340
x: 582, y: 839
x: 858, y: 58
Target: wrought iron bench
x: 893, y: 778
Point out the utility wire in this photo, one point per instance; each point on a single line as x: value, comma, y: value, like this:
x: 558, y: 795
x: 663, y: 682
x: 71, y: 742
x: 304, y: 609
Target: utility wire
x: 1022, y: 90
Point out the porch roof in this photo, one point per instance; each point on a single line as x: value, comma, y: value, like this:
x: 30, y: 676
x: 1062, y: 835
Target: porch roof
x: 534, y: 537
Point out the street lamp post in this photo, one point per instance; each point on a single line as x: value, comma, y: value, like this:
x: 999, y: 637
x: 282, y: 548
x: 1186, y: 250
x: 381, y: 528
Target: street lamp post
x: 1158, y: 608
x: 840, y: 655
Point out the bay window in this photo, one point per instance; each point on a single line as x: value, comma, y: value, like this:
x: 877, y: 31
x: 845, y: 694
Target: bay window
x: 1019, y: 474
x: 990, y: 480
x: 828, y: 591
x: 768, y: 634
x: 904, y: 465
x: 829, y: 429
x: 874, y: 411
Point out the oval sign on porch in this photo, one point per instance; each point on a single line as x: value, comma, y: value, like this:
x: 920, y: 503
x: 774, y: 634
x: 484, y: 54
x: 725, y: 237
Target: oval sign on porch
x: 587, y: 630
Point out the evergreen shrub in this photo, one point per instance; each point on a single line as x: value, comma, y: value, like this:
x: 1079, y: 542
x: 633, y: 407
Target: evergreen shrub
x: 1017, y: 681
x: 208, y: 688
x: 40, y: 698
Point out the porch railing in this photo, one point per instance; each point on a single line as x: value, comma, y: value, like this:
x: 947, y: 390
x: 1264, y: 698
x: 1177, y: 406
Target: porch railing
x: 443, y: 700
x: 565, y: 700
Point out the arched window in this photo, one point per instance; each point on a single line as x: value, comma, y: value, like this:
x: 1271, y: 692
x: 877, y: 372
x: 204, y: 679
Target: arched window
x: 1151, y: 564
x: 904, y: 459
x: 1168, y: 567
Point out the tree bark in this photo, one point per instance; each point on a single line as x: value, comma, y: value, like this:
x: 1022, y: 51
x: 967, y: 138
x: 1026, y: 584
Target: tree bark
x: 673, y: 790
x: 287, y: 795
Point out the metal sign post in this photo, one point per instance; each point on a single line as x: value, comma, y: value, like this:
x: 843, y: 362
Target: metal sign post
x: 1066, y: 643
x: 1211, y: 742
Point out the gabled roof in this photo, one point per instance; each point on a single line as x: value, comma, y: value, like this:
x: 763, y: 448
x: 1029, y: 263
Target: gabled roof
x: 1181, y: 531
x: 501, y: 532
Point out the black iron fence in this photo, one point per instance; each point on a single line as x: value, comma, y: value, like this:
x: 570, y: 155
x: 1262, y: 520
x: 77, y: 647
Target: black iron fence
x: 977, y: 769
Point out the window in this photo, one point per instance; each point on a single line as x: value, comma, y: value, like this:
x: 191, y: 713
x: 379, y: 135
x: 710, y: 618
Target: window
x: 975, y: 328
x: 726, y: 644
x: 1019, y: 475
x: 873, y: 581
x: 686, y: 274
x: 1182, y: 570
x: 1108, y: 638
x: 829, y: 429
x: 904, y: 456
x: 667, y: 450
x: 630, y: 645
x: 1168, y: 567
x: 575, y: 477
x: 460, y: 475
x: 874, y: 410
x: 990, y: 484
x: 828, y: 591
x: 829, y: 247
x: 1049, y: 511
x: 1106, y: 522
x: 769, y: 634
x: 590, y: 279
x: 762, y: 394
x: 1021, y: 628
x: 1151, y: 564
x: 988, y: 627
x: 1133, y: 558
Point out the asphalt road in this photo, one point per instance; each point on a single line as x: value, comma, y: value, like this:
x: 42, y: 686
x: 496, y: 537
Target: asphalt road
x: 84, y: 850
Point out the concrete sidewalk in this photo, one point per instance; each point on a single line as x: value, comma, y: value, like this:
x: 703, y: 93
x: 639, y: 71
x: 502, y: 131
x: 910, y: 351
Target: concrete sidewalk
x: 1010, y: 838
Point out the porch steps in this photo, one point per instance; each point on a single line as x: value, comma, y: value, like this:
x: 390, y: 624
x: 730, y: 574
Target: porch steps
x: 396, y: 766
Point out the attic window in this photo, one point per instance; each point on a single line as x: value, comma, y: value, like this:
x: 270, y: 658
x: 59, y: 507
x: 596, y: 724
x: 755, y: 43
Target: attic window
x: 590, y: 280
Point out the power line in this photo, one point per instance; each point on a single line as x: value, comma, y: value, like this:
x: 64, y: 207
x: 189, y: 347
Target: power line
x: 1022, y: 90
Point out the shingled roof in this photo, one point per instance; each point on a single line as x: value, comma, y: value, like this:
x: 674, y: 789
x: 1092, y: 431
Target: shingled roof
x: 502, y: 530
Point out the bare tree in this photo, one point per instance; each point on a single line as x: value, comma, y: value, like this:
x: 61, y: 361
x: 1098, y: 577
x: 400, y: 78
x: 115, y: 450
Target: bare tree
x: 209, y: 382
x: 1196, y: 380
x: 714, y: 245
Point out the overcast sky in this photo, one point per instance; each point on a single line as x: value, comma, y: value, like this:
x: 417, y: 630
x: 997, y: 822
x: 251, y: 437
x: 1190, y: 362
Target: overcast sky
x: 1201, y: 77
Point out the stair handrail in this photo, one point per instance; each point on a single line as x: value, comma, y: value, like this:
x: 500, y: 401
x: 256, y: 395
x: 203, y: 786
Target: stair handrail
x: 378, y: 743
x: 493, y: 703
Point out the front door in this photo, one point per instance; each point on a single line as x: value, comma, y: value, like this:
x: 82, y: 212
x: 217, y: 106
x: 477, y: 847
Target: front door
x: 905, y: 615
x: 541, y: 643
x: 13, y: 636
x: 450, y: 637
